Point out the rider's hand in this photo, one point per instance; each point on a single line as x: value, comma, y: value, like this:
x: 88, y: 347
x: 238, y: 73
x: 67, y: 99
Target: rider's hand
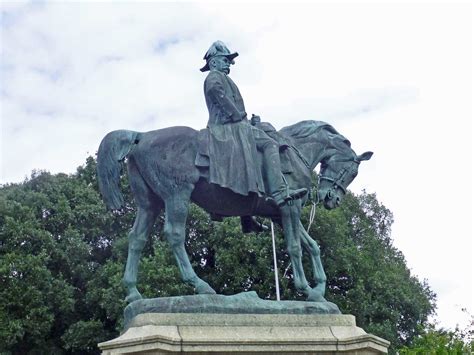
x: 255, y: 119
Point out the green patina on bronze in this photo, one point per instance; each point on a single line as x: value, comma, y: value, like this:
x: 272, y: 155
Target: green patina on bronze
x: 231, y: 144
x: 235, y: 167
x: 241, y: 303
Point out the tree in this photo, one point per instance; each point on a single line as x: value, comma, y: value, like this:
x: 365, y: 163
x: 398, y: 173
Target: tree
x: 442, y: 341
x: 62, y: 258
x: 373, y: 281
x: 53, y: 240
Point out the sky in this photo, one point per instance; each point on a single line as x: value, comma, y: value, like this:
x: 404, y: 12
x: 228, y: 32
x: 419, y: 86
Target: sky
x: 394, y: 78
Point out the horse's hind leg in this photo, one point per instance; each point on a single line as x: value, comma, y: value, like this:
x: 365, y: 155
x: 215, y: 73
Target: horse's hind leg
x: 136, y: 241
x: 310, y: 245
x: 149, y: 206
x: 176, y: 211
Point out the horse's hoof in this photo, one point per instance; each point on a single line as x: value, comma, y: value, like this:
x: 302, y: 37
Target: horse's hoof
x: 315, y: 296
x: 133, y: 296
x: 203, y: 288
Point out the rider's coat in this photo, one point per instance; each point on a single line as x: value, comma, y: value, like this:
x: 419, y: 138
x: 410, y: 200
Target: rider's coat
x: 231, y: 147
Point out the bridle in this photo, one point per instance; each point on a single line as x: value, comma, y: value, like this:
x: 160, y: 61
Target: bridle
x: 336, y: 183
x: 339, y: 181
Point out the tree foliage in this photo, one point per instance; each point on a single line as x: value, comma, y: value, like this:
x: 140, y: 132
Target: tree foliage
x: 442, y: 341
x: 62, y: 257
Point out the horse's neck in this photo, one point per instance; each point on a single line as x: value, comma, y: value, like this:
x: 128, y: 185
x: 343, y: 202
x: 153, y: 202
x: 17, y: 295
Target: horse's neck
x: 313, y: 150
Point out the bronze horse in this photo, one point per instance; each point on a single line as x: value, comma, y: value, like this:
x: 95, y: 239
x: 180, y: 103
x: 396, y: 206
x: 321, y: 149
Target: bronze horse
x: 162, y: 175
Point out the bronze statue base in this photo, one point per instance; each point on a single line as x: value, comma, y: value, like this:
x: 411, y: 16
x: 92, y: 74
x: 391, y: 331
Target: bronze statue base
x: 241, y: 303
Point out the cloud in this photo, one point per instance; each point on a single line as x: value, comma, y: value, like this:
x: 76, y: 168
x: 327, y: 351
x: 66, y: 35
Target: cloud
x: 348, y: 106
x: 97, y: 64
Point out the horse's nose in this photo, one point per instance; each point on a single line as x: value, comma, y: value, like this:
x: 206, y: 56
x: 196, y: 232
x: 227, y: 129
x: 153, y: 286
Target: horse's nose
x: 338, y: 201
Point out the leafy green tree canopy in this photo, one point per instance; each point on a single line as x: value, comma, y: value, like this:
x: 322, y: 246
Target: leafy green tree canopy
x: 62, y: 256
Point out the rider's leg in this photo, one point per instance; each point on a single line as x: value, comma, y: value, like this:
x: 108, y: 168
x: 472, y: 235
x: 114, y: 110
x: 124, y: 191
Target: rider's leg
x: 276, y: 186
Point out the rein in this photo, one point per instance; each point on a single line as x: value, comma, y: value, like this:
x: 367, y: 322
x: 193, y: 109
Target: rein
x: 314, y: 202
x: 302, y: 158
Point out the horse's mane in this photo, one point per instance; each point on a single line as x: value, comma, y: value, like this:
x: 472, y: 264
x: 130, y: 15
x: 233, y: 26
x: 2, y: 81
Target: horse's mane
x: 304, y: 129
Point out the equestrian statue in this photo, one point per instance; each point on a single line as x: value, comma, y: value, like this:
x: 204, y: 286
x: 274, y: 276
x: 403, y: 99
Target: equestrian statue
x: 235, y: 167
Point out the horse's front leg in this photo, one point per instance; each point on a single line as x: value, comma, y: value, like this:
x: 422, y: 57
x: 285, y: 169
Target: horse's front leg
x: 290, y: 219
x: 176, y: 211
x: 309, y: 244
x: 136, y: 241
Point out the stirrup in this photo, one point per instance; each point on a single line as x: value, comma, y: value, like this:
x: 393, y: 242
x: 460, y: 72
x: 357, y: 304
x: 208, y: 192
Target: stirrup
x: 289, y: 195
x: 299, y: 193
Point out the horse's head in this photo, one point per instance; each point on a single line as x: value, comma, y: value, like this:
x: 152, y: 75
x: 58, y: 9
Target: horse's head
x: 318, y: 142
x: 337, y: 172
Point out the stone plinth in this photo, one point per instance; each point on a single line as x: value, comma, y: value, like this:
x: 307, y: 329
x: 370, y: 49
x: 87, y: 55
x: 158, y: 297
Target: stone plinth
x: 194, y: 333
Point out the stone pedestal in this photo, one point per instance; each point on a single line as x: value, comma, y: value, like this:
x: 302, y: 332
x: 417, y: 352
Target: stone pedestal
x: 194, y: 333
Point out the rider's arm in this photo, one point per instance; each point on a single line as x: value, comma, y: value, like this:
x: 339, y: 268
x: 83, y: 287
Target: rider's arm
x: 216, y: 92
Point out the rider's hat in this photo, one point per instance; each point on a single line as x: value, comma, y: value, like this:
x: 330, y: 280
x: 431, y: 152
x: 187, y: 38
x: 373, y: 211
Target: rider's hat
x: 218, y: 48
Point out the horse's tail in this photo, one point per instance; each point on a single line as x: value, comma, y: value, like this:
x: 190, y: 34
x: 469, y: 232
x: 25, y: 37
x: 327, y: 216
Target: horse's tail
x: 112, y: 151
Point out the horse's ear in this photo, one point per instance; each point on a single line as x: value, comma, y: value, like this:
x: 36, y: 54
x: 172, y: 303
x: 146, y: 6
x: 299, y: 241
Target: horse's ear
x: 365, y: 156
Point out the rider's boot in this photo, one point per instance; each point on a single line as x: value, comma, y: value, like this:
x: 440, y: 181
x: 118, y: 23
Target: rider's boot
x: 279, y: 190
